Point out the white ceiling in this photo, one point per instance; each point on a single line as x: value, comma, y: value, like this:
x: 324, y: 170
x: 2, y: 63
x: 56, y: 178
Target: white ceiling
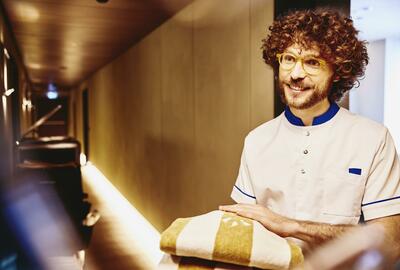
x: 376, y: 19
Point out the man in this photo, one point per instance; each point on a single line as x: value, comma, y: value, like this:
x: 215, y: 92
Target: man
x: 317, y: 169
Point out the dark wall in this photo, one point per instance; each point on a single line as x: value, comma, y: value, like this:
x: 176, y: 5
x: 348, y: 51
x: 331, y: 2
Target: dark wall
x: 13, y: 82
x: 283, y: 6
x: 58, y: 123
x: 10, y: 106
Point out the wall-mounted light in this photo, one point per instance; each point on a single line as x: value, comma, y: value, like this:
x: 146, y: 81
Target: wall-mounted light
x: 8, y: 92
x: 26, y: 104
x: 6, y: 53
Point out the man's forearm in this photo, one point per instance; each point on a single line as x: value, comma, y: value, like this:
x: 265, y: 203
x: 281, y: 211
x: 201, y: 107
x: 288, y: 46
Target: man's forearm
x: 312, y: 233
x: 391, y: 225
x: 317, y: 233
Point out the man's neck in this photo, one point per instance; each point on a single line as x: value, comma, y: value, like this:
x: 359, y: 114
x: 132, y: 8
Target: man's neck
x: 308, y: 115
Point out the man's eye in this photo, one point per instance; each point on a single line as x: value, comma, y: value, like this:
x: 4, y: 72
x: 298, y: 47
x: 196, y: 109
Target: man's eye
x: 312, y: 62
x: 289, y: 58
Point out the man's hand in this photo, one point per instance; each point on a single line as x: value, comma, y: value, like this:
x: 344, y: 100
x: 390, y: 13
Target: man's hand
x: 313, y: 233
x: 278, y: 224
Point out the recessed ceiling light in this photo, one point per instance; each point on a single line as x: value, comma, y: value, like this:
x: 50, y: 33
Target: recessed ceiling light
x: 27, y: 12
x: 35, y: 66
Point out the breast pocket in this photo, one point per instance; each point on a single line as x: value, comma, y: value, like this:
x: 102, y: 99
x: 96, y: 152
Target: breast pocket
x: 342, y: 193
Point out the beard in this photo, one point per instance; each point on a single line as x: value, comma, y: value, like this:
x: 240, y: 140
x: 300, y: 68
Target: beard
x: 315, y: 95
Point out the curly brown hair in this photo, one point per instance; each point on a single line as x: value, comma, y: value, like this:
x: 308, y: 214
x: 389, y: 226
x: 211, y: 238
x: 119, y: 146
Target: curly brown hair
x: 335, y: 37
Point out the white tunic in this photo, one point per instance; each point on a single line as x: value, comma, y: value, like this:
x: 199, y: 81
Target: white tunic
x: 342, y: 166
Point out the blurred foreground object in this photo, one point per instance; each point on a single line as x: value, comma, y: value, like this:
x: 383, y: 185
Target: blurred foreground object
x: 41, y: 226
x: 361, y: 248
x: 46, y: 210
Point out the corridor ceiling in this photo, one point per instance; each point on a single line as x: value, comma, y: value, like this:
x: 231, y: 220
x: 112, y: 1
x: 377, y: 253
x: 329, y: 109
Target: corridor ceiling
x: 64, y: 41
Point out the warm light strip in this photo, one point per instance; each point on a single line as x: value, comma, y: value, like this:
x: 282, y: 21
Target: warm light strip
x: 137, y: 231
x: 82, y: 159
x: 5, y: 75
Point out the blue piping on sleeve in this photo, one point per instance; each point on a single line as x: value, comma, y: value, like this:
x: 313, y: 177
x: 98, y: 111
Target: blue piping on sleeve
x: 253, y: 197
x: 398, y: 197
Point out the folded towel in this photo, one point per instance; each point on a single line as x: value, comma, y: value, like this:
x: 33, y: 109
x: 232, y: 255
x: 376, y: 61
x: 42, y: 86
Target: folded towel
x: 225, y: 237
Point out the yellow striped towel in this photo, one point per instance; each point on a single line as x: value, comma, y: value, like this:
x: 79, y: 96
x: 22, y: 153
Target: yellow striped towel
x: 226, y: 237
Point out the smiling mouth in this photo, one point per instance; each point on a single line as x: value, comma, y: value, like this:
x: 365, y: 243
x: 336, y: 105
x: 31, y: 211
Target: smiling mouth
x: 297, y: 89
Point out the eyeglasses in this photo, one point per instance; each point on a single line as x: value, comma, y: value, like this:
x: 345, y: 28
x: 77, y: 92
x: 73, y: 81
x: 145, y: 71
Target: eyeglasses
x: 310, y: 64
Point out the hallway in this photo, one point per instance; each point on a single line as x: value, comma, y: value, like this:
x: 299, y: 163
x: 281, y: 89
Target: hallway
x: 159, y: 95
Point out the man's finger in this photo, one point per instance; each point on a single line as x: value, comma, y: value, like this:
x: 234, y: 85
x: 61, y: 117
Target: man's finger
x: 228, y: 208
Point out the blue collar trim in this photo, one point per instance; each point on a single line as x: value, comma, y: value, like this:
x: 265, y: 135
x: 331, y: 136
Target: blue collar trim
x: 323, y: 118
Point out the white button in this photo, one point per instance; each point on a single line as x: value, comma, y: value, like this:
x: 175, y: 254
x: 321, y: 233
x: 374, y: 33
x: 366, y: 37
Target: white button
x: 305, y: 152
x: 308, y: 133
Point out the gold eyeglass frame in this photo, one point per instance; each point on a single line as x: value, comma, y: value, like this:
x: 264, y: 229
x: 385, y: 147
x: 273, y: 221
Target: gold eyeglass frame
x: 322, y: 62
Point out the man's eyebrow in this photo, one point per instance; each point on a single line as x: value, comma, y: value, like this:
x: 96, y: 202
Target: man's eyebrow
x: 296, y: 52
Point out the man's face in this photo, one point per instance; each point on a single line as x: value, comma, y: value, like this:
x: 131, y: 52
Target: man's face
x: 300, y: 89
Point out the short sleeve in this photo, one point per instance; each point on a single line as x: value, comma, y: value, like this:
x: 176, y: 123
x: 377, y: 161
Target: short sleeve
x: 382, y: 191
x: 242, y: 191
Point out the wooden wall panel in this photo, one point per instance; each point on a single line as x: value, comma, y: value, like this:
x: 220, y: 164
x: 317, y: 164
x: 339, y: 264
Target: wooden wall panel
x: 144, y: 115
x: 222, y: 81
x: 177, y: 117
x: 262, y: 85
x: 169, y: 116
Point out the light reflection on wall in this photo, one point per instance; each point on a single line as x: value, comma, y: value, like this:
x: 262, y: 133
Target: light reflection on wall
x: 5, y: 70
x: 138, y: 233
x: 4, y: 105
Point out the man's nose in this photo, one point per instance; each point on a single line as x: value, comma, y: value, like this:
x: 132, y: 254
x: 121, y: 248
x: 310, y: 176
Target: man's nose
x: 298, y: 71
